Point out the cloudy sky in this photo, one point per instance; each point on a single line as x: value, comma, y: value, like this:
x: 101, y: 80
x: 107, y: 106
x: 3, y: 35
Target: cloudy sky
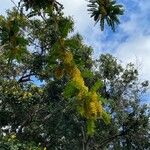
x: 130, y: 42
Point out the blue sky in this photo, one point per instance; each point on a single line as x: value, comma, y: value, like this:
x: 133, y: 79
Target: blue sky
x: 130, y: 42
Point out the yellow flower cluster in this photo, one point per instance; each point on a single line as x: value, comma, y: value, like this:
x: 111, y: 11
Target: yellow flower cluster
x: 76, y: 76
x: 59, y: 72
x: 26, y: 95
x: 89, y: 105
x: 15, y: 90
x: 12, y: 137
x: 94, y: 107
x: 67, y: 57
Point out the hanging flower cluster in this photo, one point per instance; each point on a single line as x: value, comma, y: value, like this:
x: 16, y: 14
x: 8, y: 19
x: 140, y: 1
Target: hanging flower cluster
x: 88, y: 102
x: 94, y: 107
x: 89, y: 105
x: 59, y: 72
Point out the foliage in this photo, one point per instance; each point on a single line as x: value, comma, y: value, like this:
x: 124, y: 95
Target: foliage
x: 74, y: 106
x: 10, y: 142
x: 11, y: 37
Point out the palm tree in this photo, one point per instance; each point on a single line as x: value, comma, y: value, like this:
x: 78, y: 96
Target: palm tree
x: 107, y: 10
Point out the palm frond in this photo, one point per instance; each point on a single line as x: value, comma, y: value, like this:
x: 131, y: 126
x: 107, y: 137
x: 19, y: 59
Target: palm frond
x: 108, y: 10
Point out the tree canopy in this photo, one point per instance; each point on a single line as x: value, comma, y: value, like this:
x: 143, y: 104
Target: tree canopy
x: 80, y: 103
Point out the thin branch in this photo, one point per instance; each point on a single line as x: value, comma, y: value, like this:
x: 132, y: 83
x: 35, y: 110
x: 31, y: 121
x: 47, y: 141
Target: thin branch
x: 15, y: 5
x: 25, y: 78
x: 122, y: 133
x: 84, y: 138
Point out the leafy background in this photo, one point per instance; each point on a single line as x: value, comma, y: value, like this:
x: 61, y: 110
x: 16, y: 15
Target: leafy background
x: 115, y: 80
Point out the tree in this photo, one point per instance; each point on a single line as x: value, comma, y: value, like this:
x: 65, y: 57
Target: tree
x: 107, y: 10
x: 73, y: 99
x: 130, y: 119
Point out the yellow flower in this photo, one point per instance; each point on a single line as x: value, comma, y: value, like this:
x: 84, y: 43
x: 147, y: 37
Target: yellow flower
x: 14, y: 93
x: 72, y: 70
x: 24, y: 95
x: 99, y: 108
x: 79, y: 81
x: 67, y: 57
x: 40, y: 91
x: 29, y: 94
x: 76, y: 76
x: 59, y: 72
x: 93, y: 109
x: 13, y: 136
x: 94, y: 96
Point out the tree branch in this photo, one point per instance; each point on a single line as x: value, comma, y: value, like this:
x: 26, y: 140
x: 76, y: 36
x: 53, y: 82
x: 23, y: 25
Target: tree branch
x: 25, y: 78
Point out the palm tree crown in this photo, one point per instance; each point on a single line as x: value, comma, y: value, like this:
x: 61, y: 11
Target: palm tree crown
x: 105, y: 10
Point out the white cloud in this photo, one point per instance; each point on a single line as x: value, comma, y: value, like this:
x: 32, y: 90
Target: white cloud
x: 136, y: 50
x: 137, y: 46
x: 78, y: 10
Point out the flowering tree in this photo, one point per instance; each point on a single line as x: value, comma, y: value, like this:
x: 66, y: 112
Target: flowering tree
x: 72, y: 99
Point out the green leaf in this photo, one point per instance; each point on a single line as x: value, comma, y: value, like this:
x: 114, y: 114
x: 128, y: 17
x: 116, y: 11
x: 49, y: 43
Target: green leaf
x: 106, y: 117
x: 103, y: 100
x: 66, y: 26
x: 87, y: 73
x: 90, y: 127
x: 97, y: 85
x: 70, y: 90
